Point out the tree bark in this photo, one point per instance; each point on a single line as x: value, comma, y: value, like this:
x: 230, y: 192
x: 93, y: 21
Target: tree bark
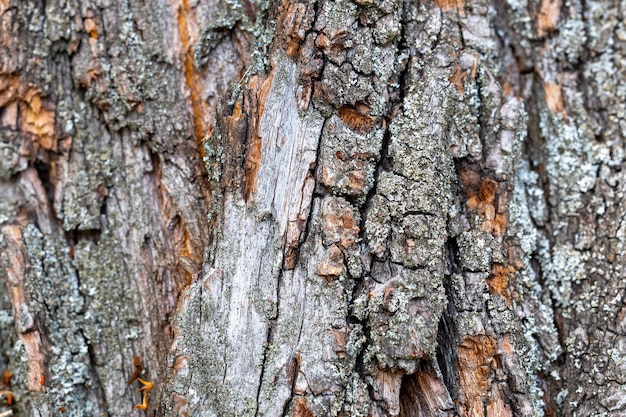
x: 317, y: 208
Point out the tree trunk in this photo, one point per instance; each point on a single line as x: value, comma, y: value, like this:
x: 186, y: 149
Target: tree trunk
x: 325, y: 208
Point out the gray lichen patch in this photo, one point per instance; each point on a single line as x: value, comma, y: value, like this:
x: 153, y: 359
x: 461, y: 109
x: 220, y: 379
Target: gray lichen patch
x: 476, y: 250
x: 357, y: 397
x: 378, y: 226
x: 570, y: 169
x: 345, y: 86
x: 225, y: 16
x: 362, y: 47
x: 403, y: 315
x: 15, y: 150
x: 337, y: 20
x: 568, y: 214
x: 568, y: 45
x: 406, y: 218
x: 417, y: 150
x: 563, y: 267
x: 406, y: 196
x: 348, y: 159
x: 388, y: 28
x: 463, y: 136
x: 56, y: 297
x: 81, y: 292
x: 417, y: 240
x: 110, y: 300
x: 89, y: 169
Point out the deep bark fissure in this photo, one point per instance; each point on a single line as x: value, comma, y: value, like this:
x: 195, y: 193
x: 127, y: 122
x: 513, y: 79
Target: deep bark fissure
x: 43, y: 172
x: 268, y: 341
x: 93, y: 360
x: 446, y: 354
x: 316, y: 194
x: 295, y: 369
x: 410, y: 405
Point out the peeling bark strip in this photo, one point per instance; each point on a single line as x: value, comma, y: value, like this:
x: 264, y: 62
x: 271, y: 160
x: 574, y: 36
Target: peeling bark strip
x: 316, y: 208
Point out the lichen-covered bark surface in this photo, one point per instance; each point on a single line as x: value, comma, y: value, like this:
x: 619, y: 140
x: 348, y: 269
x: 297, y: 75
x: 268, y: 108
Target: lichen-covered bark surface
x: 316, y: 208
x: 103, y: 214
x: 572, y: 67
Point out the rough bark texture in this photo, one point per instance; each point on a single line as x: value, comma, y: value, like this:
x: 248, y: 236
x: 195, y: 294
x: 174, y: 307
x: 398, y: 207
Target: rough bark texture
x: 316, y: 208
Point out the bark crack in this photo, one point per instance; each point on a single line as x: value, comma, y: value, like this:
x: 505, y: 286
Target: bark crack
x: 447, y: 334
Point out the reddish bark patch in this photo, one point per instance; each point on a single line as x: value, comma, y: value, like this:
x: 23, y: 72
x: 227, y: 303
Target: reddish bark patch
x: 498, y: 408
x: 251, y: 166
x: 187, y: 248
x: 190, y: 73
x: 199, y: 107
x: 243, y: 145
x: 504, y: 346
x: 6, y: 378
x: 332, y: 266
x: 476, y: 359
x: 357, y: 118
x: 91, y: 27
x: 180, y: 405
x: 25, y: 109
x: 487, y: 193
x: 423, y: 394
x: 388, y: 383
x: 138, y: 369
x: 37, y: 117
x: 339, y: 224
x: 549, y: 400
x: 494, y: 220
x: 292, y: 29
x: 356, y: 180
x: 292, y: 369
x: 487, y: 197
x: 498, y: 283
x: 235, y: 133
x: 291, y: 255
x: 450, y: 5
x: 457, y: 79
x: 341, y: 337
x: 554, y: 98
x: 548, y: 16
x: 260, y: 90
x: 470, y: 181
x: 301, y: 408
x: 201, y: 116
